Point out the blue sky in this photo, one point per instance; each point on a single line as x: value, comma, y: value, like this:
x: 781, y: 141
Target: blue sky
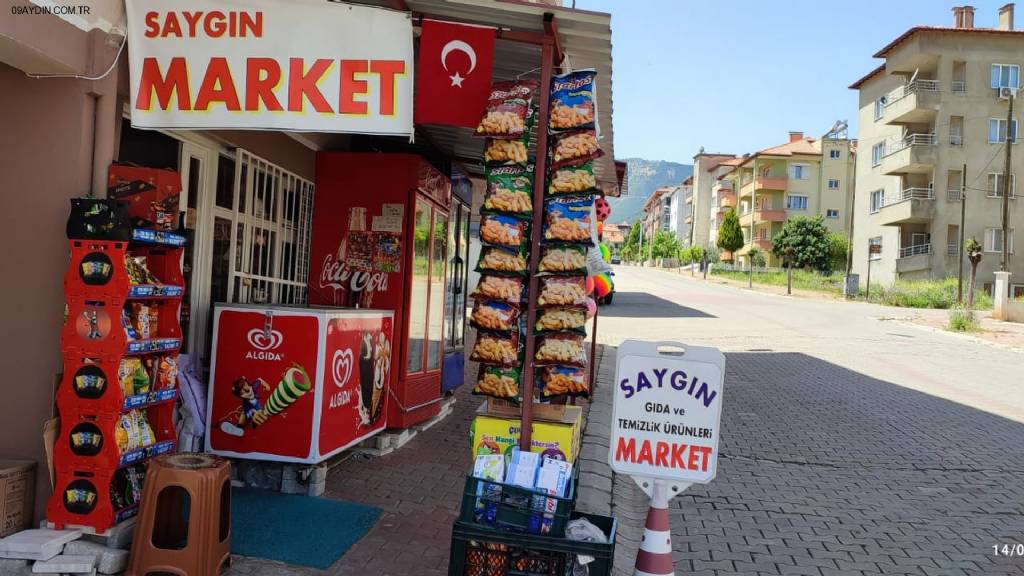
x: 737, y: 75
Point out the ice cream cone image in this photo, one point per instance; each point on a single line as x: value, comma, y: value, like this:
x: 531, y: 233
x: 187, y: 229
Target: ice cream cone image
x: 293, y: 385
x: 381, y: 365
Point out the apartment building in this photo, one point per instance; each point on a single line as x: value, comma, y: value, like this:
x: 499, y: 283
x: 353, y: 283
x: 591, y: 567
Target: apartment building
x: 681, y: 209
x: 804, y: 176
x: 658, y: 211
x: 723, y: 198
x: 707, y: 168
x: 935, y: 107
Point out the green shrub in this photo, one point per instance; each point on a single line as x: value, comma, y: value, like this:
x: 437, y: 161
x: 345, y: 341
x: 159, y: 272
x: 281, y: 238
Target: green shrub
x: 939, y: 294
x: 961, y: 320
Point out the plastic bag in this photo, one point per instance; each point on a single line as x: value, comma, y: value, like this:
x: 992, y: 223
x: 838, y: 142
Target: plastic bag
x: 493, y: 348
x: 562, y: 259
x: 561, y: 319
x: 572, y: 101
x: 505, y: 288
x: 498, y: 382
x: 500, y: 230
x: 499, y: 260
x: 494, y: 315
x: 507, y: 109
x: 569, y: 220
x: 572, y: 180
x: 563, y: 380
x: 561, y: 348
x: 562, y: 291
x: 571, y: 148
x: 509, y: 190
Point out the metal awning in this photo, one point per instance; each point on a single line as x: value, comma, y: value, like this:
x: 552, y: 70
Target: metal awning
x: 585, y: 39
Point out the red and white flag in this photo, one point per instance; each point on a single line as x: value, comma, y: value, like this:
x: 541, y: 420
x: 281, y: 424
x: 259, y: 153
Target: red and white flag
x: 453, y: 80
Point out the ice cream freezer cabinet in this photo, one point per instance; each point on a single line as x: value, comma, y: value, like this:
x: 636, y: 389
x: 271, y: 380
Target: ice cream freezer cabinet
x: 295, y: 384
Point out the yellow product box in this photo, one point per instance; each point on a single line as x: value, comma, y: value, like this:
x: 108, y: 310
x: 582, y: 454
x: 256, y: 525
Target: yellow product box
x: 493, y: 434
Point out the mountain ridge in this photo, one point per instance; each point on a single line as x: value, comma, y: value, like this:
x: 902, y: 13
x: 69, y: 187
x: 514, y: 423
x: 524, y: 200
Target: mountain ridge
x: 645, y: 176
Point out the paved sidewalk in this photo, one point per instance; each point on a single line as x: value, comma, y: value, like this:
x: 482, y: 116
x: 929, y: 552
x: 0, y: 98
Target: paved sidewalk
x: 825, y: 471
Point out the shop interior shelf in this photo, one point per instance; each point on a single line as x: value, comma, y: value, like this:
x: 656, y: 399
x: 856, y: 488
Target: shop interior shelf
x: 152, y: 345
x: 145, y: 453
x: 151, y: 399
x: 161, y: 237
x: 139, y: 291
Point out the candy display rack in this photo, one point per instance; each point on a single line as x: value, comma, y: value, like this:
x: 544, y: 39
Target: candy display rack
x: 120, y: 343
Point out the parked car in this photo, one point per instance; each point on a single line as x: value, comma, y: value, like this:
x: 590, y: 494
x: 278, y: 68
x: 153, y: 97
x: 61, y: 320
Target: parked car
x: 616, y: 259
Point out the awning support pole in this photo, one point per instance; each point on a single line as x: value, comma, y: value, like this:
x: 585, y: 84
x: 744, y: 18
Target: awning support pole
x: 540, y: 171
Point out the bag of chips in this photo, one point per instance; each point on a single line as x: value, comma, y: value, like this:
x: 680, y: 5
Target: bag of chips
x: 563, y: 259
x: 501, y: 261
x: 572, y: 148
x: 561, y: 348
x: 507, y: 109
x: 573, y: 104
x: 510, y: 151
x: 505, y: 288
x: 501, y: 230
x: 167, y: 372
x: 561, y: 320
x: 572, y: 180
x: 509, y: 190
x: 494, y: 315
x: 569, y: 220
x: 563, y: 380
x: 132, y: 376
x: 494, y: 348
x: 498, y: 382
x: 562, y: 291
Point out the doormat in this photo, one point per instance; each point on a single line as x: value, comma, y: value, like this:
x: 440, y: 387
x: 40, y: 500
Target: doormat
x: 296, y: 529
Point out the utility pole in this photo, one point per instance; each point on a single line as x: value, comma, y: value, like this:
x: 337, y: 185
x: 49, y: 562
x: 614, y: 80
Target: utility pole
x: 640, y: 253
x: 753, y: 222
x: 849, y: 240
x: 1005, y: 264
x: 960, y: 246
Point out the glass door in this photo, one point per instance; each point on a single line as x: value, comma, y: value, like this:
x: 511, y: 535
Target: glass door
x: 458, y: 273
x: 419, y: 288
x: 436, y: 315
x: 197, y: 172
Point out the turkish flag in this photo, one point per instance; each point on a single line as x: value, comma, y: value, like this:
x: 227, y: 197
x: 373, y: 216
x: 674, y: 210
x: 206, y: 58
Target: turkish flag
x: 454, y: 76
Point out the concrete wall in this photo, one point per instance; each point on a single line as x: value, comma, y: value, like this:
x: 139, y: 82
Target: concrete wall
x: 46, y: 157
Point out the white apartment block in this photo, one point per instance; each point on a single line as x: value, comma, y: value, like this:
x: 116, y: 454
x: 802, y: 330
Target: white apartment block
x: 936, y: 105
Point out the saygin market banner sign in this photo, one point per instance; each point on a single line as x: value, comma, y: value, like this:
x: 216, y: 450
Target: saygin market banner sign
x: 666, y: 411
x: 302, y: 65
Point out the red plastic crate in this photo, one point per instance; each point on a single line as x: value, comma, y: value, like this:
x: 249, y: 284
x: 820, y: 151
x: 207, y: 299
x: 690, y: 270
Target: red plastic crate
x: 86, y: 441
x: 90, y: 384
x: 71, y: 505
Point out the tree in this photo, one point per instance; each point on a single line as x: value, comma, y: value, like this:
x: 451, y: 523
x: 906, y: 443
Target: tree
x: 809, y: 238
x: 730, y: 235
x: 756, y: 256
x: 973, y: 250
x: 839, y: 245
x: 664, y: 245
x: 631, y: 246
x: 685, y: 255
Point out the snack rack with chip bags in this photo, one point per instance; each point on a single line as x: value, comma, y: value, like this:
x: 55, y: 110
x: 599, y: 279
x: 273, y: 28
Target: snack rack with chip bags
x: 116, y: 399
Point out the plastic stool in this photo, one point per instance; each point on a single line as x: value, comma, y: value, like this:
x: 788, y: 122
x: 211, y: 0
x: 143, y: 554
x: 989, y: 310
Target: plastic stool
x: 184, y: 525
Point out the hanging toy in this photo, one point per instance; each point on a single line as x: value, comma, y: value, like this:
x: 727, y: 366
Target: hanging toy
x: 606, y: 253
x: 590, y: 285
x: 591, y: 307
x: 603, y: 285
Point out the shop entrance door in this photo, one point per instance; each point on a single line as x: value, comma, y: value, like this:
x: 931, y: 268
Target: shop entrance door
x: 198, y: 176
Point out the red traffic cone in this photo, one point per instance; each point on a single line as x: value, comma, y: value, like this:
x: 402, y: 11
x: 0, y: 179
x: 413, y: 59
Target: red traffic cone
x: 655, y: 555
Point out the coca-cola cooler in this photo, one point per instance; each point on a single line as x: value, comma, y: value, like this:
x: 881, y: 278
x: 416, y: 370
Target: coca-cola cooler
x: 296, y: 384
x: 380, y: 240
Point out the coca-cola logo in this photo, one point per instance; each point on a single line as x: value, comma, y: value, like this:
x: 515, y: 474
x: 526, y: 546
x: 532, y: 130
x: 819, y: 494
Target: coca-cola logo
x: 336, y: 274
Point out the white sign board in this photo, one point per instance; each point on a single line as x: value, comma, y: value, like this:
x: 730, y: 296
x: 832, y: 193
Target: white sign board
x: 301, y: 65
x: 666, y: 412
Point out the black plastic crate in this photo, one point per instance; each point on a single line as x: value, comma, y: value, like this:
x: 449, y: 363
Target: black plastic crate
x: 481, y: 551
x: 513, y: 508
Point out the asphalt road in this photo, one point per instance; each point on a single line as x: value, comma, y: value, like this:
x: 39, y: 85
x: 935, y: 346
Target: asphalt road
x: 852, y: 443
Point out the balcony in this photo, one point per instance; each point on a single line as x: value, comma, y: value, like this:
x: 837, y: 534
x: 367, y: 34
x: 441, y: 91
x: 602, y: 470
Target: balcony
x: 763, y: 216
x: 914, y: 154
x: 762, y: 244
x: 952, y: 249
x: 763, y: 183
x: 726, y: 201
x: 914, y: 258
x: 953, y: 195
x: 910, y: 206
x: 913, y: 103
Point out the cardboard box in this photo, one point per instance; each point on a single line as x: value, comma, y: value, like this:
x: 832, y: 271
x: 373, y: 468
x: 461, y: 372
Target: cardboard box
x: 493, y: 434
x: 152, y: 195
x: 17, y: 495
